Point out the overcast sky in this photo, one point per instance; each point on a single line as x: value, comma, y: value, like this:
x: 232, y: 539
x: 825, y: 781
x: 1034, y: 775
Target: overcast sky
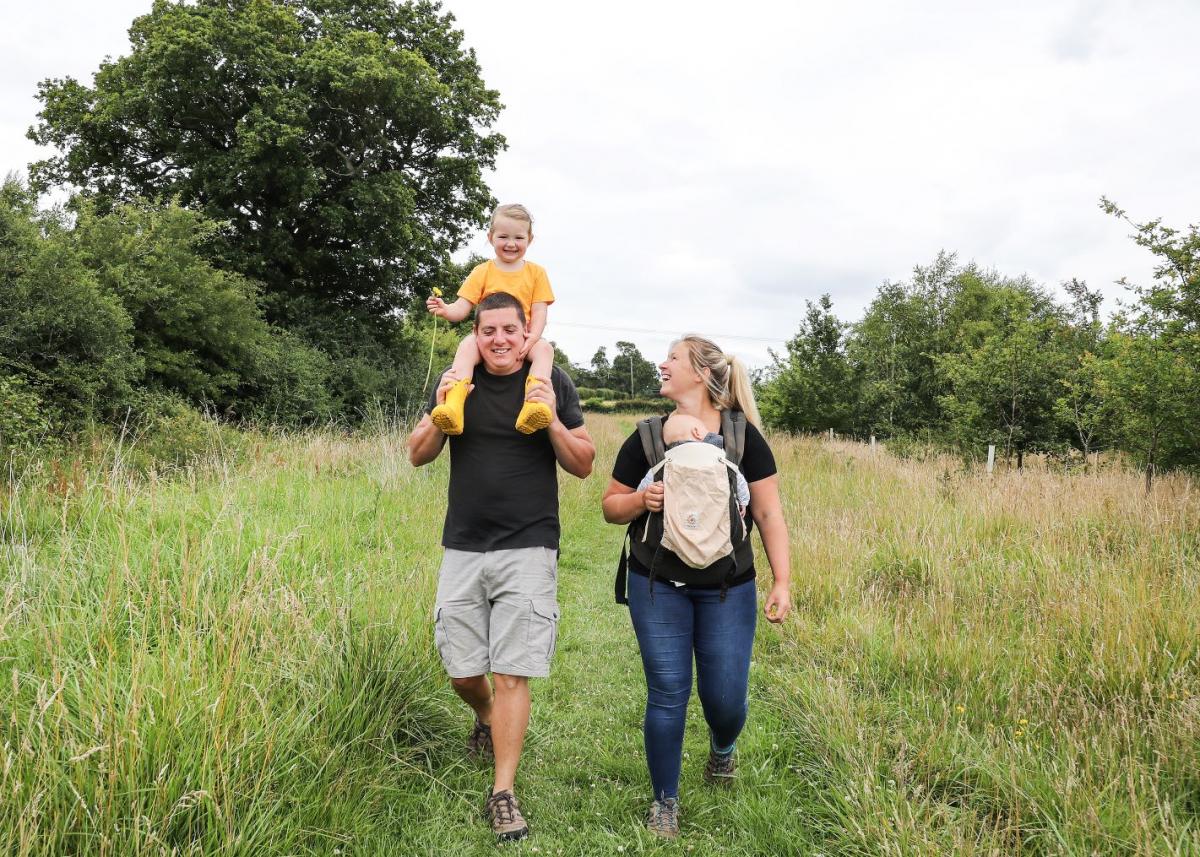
x: 710, y: 166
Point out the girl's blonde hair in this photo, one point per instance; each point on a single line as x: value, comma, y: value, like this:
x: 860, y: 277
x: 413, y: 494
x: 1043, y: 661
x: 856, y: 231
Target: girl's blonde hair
x: 513, y: 210
x: 728, y: 379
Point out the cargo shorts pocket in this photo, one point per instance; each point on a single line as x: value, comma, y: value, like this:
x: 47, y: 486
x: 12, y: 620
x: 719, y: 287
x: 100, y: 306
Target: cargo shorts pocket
x: 543, y: 628
x: 440, y: 638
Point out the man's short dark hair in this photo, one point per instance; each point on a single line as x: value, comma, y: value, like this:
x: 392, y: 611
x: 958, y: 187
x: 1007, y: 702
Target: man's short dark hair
x: 499, y: 300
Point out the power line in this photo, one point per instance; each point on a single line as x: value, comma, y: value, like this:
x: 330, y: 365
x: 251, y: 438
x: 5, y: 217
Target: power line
x: 671, y: 333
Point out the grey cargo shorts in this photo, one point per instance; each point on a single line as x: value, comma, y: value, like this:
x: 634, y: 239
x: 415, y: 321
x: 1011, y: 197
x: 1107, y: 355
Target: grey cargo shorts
x: 497, y: 611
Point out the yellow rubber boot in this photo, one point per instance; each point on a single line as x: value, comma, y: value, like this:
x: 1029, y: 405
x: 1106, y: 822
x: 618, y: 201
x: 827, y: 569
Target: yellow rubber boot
x: 449, y: 417
x: 534, y: 416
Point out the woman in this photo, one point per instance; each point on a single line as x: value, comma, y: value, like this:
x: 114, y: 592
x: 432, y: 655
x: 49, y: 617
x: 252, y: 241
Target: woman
x: 714, y: 620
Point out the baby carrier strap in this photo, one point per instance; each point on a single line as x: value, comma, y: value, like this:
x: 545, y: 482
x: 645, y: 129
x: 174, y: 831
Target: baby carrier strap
x: 650, y: 434
x: 733, y: 430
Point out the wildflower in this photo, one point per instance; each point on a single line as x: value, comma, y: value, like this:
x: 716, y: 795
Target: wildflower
x: 1023, y: 721
x: 961, y: 709
x: 1019, y: 733
x: 437, y: 293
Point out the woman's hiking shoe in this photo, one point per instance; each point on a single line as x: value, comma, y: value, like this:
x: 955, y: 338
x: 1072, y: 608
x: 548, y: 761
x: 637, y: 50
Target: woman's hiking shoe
x: 664, y: 818
x: 505, y: 817
x: 720, y: 769
x: 479, y: 744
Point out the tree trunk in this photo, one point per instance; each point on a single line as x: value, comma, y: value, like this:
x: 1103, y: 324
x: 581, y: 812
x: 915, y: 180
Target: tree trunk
x: 1020, y: 459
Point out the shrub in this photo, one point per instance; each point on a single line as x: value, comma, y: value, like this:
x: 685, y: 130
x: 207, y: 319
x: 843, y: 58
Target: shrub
x: 628, y: 406
x: 59, y: 328
x: 22, y: 421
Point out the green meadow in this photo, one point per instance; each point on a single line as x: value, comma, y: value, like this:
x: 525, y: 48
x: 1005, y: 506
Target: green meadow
x: 235, y: 657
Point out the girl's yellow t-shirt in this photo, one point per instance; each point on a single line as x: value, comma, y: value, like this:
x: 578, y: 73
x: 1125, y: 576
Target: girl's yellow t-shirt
x: 529, y: 285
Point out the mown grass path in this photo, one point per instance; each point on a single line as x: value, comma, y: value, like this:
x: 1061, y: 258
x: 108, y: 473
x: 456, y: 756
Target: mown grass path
x: 583, y: 781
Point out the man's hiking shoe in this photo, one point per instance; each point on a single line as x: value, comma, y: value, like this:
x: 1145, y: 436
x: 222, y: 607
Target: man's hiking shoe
x: 505, y: 817
x: 720, y: 769
x: 664, y: 818
x: 479, y: 744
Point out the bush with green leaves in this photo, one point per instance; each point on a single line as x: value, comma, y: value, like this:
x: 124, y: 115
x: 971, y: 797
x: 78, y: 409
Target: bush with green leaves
x: 22, y: 423
x: 61, y: 329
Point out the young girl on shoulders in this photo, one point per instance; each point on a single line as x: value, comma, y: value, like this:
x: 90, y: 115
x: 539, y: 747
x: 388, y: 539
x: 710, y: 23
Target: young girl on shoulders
x: 510, y: 234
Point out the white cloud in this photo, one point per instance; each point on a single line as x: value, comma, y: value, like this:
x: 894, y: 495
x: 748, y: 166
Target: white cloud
x: 711, y: 166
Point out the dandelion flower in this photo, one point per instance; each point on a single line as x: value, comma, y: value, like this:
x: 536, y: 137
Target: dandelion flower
x: 1023, y: 721
x: 961, y: 709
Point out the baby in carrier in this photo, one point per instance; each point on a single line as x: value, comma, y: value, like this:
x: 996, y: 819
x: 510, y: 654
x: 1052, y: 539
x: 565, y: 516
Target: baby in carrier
x: 681, y: 428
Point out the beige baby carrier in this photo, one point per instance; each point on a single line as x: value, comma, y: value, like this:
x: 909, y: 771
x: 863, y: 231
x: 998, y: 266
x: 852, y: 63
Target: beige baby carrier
x: 699, y: 488
x: 700, y: 536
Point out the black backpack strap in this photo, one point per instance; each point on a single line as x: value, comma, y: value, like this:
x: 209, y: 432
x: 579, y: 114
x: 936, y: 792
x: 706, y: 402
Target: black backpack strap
x: 733, y: 428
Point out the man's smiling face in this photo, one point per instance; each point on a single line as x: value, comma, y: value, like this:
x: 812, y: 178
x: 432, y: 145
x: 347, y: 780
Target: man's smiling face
x: 499, y: 335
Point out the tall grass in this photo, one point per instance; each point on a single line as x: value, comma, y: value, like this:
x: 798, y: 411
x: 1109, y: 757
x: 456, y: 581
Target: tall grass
x: 993, y: 666
x: 236, y: 658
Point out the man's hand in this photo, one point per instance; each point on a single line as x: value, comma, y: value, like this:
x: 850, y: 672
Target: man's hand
x: 543, y: 392
x: 449, y: 379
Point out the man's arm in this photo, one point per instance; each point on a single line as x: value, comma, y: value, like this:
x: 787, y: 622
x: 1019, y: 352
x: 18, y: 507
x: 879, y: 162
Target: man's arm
x: 573, y: 448
x: 426, y: 441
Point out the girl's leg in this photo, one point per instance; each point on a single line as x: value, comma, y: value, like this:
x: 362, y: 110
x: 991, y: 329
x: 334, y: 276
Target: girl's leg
x: 541, y: 359
x: 724, y: 638
x: 536, y: 415
x: 449, y: 417
x: 466, y: 357
x: 664, y: 632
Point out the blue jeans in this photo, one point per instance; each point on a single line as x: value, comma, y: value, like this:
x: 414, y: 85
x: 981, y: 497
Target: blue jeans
x: 681, y: 622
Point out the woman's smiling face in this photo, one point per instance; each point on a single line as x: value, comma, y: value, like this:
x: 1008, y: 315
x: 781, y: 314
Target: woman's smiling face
x: 676, y: 373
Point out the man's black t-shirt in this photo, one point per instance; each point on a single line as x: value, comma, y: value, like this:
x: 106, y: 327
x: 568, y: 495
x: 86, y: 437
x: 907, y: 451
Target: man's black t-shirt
x: 758, y: 462
x: 504, y: 484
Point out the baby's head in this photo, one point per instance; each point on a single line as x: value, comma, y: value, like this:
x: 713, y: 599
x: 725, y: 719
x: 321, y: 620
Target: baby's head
x: 681, y: 427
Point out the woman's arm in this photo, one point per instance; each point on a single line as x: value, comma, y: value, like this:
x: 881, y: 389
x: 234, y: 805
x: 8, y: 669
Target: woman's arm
x: 767, y: 511
x: 622, y: 504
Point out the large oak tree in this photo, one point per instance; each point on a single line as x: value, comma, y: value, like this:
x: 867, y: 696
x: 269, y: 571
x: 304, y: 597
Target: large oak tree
x: 342, y: 141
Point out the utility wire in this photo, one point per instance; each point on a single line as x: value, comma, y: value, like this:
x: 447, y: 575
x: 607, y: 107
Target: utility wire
x: 671, y: 333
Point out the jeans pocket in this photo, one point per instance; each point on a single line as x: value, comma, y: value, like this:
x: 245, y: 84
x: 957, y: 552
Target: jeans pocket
x: 543, y: 627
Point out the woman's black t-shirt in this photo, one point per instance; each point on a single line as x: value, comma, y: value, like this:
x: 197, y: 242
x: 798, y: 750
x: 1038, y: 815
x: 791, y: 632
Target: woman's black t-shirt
x: 758, y: 462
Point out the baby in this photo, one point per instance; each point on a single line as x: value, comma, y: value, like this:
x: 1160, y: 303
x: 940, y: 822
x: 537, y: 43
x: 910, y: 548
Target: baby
x: 681, y: 428
x: 510, y: 234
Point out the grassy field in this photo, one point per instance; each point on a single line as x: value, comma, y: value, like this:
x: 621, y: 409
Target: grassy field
x: 238, y: 659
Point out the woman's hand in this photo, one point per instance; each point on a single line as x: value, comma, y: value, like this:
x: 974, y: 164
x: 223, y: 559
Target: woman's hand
x: 652, y: 497
x: 778, y: 604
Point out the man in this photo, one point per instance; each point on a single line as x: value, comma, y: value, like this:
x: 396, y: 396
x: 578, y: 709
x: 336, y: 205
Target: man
x: 497, y: 601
